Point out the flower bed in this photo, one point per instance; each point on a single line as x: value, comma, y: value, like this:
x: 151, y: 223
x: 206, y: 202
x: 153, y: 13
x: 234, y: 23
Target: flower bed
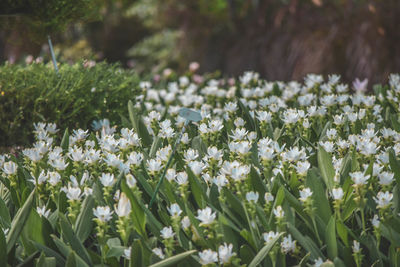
x: 274, y: 174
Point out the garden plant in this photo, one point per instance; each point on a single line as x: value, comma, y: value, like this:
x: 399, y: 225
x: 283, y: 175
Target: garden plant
x: 274, y: 174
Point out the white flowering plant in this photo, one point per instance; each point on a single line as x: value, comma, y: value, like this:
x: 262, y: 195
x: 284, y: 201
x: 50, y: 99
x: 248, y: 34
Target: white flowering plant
x: 274, y: 174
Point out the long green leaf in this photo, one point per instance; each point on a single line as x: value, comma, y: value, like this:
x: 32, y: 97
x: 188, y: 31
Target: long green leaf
x: 326, y: 167
x: 84, y: 222
x: 173, y: 260
x: 3, y: 247
x: 19, y: 222
x: 330, y: 237
x: 73, y: 240
x: 264, y: 252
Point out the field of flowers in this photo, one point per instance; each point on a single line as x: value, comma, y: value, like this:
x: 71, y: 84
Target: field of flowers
x: 274, y: 174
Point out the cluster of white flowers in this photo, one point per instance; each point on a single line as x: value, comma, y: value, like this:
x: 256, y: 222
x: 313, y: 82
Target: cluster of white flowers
x: 254, y: 137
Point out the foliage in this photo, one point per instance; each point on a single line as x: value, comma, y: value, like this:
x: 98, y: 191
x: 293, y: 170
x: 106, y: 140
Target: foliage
x: 45, y: 17
x: 275, y: 174
x: 81, y: 93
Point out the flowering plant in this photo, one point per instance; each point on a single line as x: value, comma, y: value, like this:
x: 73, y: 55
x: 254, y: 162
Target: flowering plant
x: 274, y: 174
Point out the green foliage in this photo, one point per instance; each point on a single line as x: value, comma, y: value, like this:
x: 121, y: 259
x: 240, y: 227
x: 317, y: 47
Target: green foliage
x: 45, y: 17
x: 78, y: 96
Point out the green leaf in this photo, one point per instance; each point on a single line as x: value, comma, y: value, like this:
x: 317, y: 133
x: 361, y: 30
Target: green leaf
x: 394, y: 165
x: 5, y: 218
x: 19, y: 221
x: 66, y: 251
x: 247, y: 117
x: 174, y: 260
x: 264, y: 252
x: 138, y: 125
x: 71, y: 260
x: 136, y: 254
x: 197, y: 189
x: 246, y: 254
x: 50, y: 253
x: 84, y: 222
x: 330, y: 239
x: 3, y: 247
x: 306, y: 243
x: 65, y: 140
x: 137, y: 214
x: 319, y: 196
x: 154, y: 147
x: 326, y: 167
x: 73, y: 240
x: 44, y: 261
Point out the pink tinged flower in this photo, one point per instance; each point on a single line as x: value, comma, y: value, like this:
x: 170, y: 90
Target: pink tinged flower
x: 104, y: 214
x: 360, y: 86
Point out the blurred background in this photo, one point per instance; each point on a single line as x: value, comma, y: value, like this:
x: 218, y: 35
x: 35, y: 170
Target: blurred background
x: 280, y: 39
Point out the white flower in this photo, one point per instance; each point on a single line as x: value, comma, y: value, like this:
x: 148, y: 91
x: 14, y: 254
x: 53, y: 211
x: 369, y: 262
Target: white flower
x: 196, y: 167
x: 104, y: 214
x: 159, y: 253
x: 124, y: 206
x: 43, y: 212
x: 318, y: 262
x: 288, y: 245
x: 305, y: 194
x: 359, y: 178
x: 208, y: 257
x: 185, y: 222
x: 337, y: 193
x: 174, y: 210
x: 360, y: 86
x: 181, y: 178
x: 328, y: 146
x: 33, y: 154
x: 73, y: 193
x: 130, y: 180
x: 252, y: 196
x: 59, y: 164
x: 279, y: 213
x: 76, y: 154
x: 167, y: 232
x: 264, y: 116
x: 225, y: 253
x: 268, y: 237
x: 375, y: 221
x: 356, y: 246
x: 107, y: 179
x: 206, y: 216
x: 385, y: 178
x: 54, y: 178
x: 154, y: 165
x: 127, y: 253
x: 383, y: 199
x: 302, y: 167
x: 10, y: 167
x: 268, y: 197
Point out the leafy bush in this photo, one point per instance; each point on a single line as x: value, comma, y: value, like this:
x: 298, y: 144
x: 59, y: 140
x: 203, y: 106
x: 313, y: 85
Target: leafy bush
x: 274, y: 174
x: 73, y: 99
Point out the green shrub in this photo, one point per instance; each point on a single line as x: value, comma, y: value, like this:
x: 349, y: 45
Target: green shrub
x: 75, y: 98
